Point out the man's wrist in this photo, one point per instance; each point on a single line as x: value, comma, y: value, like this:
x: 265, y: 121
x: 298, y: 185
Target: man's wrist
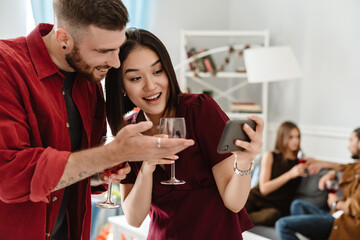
x: 95, y: 179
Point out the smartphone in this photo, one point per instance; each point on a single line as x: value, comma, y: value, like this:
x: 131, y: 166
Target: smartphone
x: 234, y: 130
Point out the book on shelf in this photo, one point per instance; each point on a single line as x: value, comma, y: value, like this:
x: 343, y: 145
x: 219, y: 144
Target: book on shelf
x: 191, y: 66
x: 248, y: 107
x: 208, y: 62
x: 203, y: 64
x: 198, y: 63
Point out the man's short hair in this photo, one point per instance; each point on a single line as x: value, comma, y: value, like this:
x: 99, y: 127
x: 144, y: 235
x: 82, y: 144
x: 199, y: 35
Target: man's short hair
x: 105, y: 14
x: 357, y: 132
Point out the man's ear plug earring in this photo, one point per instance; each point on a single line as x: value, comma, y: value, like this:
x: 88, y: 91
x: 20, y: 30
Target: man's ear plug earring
x: 64, y: 47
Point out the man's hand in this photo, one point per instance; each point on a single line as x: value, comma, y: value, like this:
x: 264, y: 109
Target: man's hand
x: 324, y: 179
x: 298, y: 171
x: 131, y: 145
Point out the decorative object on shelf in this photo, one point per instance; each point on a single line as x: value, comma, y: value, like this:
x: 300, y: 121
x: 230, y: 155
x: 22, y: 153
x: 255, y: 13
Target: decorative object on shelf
x: 245, y: 107
x: 203, y: 62
x: 239, y: 53
x: 271, y: 64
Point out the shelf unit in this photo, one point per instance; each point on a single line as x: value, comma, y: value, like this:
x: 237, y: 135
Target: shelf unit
x: 236, y: 40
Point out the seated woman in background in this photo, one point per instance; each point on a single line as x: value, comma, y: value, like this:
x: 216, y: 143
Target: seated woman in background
x: 280, y: 175
x: 210, y: 204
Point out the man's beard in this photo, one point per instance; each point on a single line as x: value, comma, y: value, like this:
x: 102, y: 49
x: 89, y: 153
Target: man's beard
x: 75, y: 60
x: 356, y: 155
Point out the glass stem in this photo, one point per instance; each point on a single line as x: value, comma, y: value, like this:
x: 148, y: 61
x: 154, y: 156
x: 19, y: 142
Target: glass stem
x: 173, y: 171
x: 108, y: 198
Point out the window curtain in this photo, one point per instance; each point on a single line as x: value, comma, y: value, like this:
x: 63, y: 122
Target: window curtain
x: 42, y: 11
x: 140, y: 12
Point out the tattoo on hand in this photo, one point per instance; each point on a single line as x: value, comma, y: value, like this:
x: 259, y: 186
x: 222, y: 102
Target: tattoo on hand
x: 82, y: 174
x: 63, y: 183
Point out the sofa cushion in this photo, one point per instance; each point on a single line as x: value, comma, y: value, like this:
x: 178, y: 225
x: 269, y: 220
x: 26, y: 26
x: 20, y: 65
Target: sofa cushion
x: 308, y: 190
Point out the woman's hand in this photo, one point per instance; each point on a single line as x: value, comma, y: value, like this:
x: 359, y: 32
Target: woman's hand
x: 148, y: 167
x: 298, y: 171
x: 314, y: 166
x: 252, y: 148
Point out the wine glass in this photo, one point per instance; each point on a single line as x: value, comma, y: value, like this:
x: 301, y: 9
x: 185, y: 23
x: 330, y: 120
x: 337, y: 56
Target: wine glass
x: 108, y: 203
x: 332, y: 186
x: 174, y: 128
x: 301, y: 157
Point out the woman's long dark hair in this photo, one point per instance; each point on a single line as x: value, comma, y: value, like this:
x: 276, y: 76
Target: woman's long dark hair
x: 118, y: 104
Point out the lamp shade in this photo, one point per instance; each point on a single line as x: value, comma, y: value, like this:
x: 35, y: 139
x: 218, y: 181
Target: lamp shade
x: 269, y: 64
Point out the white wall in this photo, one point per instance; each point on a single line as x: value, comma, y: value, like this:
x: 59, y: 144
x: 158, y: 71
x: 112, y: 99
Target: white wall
x: 325, y: 37
x: 12, y: 18
x: 171, y: 16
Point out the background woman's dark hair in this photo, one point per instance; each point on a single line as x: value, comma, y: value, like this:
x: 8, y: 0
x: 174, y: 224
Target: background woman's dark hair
x: 117, y: 105
x: 283, y: 136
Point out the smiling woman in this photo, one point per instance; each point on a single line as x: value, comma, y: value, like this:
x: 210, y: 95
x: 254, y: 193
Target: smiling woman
x: 146, y: 79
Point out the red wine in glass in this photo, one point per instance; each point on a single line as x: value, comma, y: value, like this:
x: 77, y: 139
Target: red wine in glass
x: 115, y: 169
x: 332, y: 186
x: 301, y: 157
x: 332, y: 190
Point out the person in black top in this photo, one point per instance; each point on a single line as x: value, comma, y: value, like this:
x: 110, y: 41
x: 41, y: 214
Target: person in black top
x: 280, y: 175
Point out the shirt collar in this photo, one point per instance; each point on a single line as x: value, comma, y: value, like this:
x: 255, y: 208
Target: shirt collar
x: 39, y: 54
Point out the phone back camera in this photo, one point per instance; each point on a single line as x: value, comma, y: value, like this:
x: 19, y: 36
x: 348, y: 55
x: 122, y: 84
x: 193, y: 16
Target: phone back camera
x: 226, y: 147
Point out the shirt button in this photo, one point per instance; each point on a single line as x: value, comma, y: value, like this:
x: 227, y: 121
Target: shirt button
x: 54, y: 199
x: 67, y: 125
x: 47, y: 234
x: 63, y: 92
